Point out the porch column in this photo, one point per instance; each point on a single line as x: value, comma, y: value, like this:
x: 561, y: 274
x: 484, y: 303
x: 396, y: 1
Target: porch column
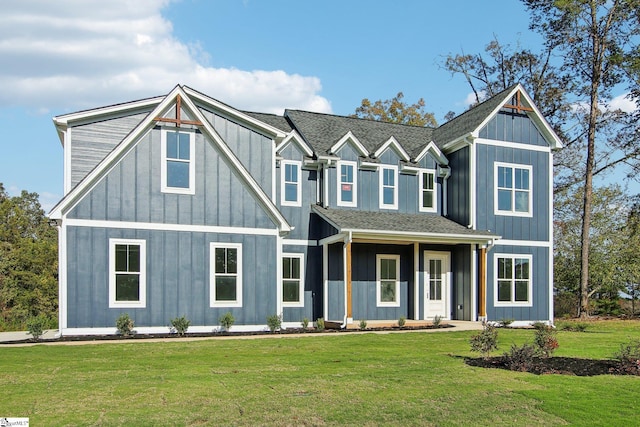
x: 348, y: 302
x: 482, y: 284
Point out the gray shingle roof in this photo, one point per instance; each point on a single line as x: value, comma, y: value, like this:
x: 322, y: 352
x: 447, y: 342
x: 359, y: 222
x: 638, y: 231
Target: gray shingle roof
x: 274, y: 120
x: 393, y: 222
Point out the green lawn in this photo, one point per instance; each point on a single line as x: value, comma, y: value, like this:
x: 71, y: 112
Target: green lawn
x: 339, y: 379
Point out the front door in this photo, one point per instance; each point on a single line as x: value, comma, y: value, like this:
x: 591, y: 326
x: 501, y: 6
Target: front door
x: 437, y: 284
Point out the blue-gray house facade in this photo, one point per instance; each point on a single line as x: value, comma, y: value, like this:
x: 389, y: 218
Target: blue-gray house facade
x: 183, y: 205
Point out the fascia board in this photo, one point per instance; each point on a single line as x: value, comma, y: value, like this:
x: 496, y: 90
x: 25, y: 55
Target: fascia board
x: 236, y: 114
x: 419, y: 237
x: 63, y: 121
x: 296, y: 138
x: 349, y: 136
x: 392, y: 142
x: 435, y: 152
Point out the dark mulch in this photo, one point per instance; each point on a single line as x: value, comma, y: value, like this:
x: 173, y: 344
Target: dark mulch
x: 555, y: 365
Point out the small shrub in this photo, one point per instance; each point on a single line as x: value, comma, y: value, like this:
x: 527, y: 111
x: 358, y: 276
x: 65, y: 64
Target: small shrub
x: 437, y: 321
x: 539, y: 325
x: 504, y: 323
x: 628, y: 358
x: 274, y: 322
x: 545, y: 340
x: 572, y: 326
x: 226, y: 320
x: 36, y: 326
x: 305, y: 324
x: 485, y: 341
x: 124, y: 324
x: 180, y: 324
x: 320, y: 324
x: 362, y: 325
x: 402, y: 321
x: 521, y: 358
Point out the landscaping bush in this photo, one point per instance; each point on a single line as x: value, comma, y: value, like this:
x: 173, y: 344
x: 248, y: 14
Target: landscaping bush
x: 437, y: 321
x: 274, y: 322
x: 36, y: 326
x: 572, y: 326
x: 485, y: 341
x: 504, y: 323
x: 545, y: 339
x: 402, y: 321
x: 180, y: 324
x: 628, y: 358
x: 305, y: 323
x: 226, y: 320
x: 362, y: 325
x: 124, y: 324
x: 320, y: 324
x: 520, y: 358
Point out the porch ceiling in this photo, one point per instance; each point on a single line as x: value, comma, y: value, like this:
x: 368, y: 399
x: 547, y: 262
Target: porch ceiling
x: 423, y: 227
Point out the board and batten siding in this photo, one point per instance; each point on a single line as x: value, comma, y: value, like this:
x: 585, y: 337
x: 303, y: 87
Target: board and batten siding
x: 511, y: 127
x: 458, y: 194
x: 131, y: 191
x: 254, y: 150
x: 177, y: 284
x: 312, y: 284
x: 92, y: 142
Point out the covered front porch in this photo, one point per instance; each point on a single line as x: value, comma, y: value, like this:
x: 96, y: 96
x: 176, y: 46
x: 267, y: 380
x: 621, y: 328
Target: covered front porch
x: 381, y: 266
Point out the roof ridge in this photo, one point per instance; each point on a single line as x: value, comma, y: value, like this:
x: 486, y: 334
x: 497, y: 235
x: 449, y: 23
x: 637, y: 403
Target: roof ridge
x: 359, y: 119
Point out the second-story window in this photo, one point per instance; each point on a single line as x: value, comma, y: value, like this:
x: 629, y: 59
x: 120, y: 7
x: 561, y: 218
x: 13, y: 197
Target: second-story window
x: 389, y: 187
x: 178, y: 162
x: 290, y: 188
x: 427, y: 191
x: 347, y: 183
x: 513, y: 189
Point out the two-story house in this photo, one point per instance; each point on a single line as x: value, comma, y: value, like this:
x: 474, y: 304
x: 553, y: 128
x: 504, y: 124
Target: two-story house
x: 183, y: 205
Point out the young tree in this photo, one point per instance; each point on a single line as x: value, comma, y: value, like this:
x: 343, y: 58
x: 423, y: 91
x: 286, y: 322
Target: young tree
x: 395, y: 110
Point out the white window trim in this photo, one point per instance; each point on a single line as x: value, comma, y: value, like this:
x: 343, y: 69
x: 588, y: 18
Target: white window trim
x: 421, y: 208
x: 512, y: 303
x: 512, y: 212
x: 381, y: 187
x: 300, y: 256
x: 339, y: 164
x: 212, y: 275
x: 283, y: 201
x: 380, y: 303
x: 192, y: 163
x: 142, y: 302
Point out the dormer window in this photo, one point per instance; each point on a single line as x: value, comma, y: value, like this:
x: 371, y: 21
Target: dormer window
x: 178, y: 163
x: 388, y: 187
x: 290, y: 183
x: 427, y: 191
x: 347, y: 183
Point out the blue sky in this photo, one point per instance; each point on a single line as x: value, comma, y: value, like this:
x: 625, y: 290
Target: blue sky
x: 63, y: 56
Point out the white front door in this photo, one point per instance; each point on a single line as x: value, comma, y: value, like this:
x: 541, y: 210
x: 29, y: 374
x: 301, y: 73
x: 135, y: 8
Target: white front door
x: 437, y: 284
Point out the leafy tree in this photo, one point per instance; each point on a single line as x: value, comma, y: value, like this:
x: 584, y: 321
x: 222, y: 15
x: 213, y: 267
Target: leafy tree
x: 28, y: 261
x: 395, y: 110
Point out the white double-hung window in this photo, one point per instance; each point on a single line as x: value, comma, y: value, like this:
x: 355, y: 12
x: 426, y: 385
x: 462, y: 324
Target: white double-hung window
x: 226, y: 275
x: 178, y: 162
x: 127, y: 273
x: 347, y: 193
x: 513, y: 284
x: 290, y: 187
x: 388, y: 185
x: 427, y: 191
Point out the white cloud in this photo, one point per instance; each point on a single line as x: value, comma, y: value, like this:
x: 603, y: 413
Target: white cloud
x: 471, y: 98
x: 621, y: 102
x: 69, y: 55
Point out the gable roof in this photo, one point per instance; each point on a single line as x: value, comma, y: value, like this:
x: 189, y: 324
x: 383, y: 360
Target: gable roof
x: 114, y: 157
x: 395, y: 225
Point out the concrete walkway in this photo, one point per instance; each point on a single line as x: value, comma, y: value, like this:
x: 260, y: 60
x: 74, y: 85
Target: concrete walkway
x: 48, y: 338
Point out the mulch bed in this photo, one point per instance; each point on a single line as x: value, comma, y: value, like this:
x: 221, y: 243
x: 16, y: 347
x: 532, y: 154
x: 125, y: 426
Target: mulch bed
x: 555, y: 365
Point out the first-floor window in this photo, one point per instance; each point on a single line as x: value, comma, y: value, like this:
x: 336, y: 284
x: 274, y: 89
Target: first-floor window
x: 127, y: 273
x: 292, y: 280
x: 388, y: 280
x: 513, y: 279
x: 226, y: 275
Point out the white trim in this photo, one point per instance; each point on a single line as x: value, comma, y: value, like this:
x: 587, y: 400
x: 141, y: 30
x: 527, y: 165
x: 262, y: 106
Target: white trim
x: 421, y: 191
x: 354, y: 189
x: 199, y: 329
x: 382, y: 186
x: 279, y: 276
x: 325, y: 281
x: 62, y: 276
x: 474, y: 283
x: 416, y: 280
x: 130, y: 225
x: 97, y: 113
x: 213, y: 302
x: 164, y: 188
x: 349, y: 136
x: 273, y: 174
x: 435, y: 152
x: 142, y: 274
x: 299, y: 242
x: 394, y: 144
x: 283, y: 182
x: 472, y: 186
x: 512, y: 303
x: 296, y: 138
x: 515, y: 145
x: 419, y: 237
x: 512, y: 212
x: 525, y: 243
x: 379, y: 302
x: 299, y: 256
x: 67, y: 147
x: 345, y: 319
x: 551, y: 270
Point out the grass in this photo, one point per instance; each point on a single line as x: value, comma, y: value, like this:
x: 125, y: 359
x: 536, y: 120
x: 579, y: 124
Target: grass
x: 399, y: 379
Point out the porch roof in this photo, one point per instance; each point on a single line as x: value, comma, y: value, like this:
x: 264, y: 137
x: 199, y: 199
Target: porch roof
x: 423, y: 227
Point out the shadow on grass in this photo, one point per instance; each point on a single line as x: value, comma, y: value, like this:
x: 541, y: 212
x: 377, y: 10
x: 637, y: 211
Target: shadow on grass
x: 553, y: 365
